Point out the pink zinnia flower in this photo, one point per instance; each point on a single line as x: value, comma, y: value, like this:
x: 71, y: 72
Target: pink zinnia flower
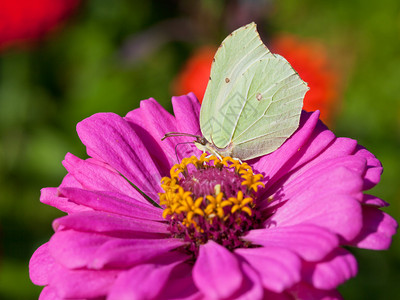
x: 276, y: 231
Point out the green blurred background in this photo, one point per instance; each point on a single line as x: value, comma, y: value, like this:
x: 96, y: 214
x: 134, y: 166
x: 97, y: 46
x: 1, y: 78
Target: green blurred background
x: 111, y: 54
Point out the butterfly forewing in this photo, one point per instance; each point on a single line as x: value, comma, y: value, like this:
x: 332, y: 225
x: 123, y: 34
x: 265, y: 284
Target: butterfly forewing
x: 254, y: 98
x: 238, y: 52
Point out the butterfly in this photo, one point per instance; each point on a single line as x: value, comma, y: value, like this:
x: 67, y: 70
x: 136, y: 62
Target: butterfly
x: 253, y: 100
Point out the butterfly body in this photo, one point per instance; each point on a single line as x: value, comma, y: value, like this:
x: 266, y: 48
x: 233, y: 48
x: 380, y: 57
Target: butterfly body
x: 206, y: 146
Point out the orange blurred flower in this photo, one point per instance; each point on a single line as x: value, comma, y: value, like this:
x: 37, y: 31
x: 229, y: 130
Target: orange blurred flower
x: 308, y: 58
x: 25, y: 21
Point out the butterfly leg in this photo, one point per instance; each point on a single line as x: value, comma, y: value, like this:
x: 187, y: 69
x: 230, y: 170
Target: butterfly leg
x: 238, y: 159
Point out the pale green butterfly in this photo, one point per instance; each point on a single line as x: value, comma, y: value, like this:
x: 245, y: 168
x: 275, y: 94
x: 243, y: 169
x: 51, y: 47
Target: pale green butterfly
x: 253, y: 99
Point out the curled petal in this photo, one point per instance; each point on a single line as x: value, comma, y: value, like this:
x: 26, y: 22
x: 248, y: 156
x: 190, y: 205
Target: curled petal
x: 334, y: 270
x: 52, y: 196
x: 377, y: 231
x: 374, y: 167
x: 373, y: 201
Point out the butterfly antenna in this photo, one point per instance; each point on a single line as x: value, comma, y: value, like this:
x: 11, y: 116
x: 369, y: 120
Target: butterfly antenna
x: 173, y: 134
x: 176, y: 150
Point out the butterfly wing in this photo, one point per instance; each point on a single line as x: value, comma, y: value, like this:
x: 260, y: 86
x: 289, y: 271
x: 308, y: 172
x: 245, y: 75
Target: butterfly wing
x: 271, y: 108
x: 252, y: 108
x: 240, y: 50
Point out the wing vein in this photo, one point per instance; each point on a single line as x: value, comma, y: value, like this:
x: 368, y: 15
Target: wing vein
x: 241, y: 110
x: 266, y: 134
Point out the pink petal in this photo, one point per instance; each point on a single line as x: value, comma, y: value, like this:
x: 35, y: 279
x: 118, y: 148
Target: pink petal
x: 276, y: 161
x: 377, y: 231
x: 110, y: 138
x: 51, y: 196
x: 310, y: 242
x: 373, y: 174
x: 317, y: 143
x: 157, y: 122
x: 251, y: 287
x: 120, y: 253
x: 136, y: 120
x: 49, y: 293
x: 160, y: 122
x: 40, y: 264
x: 141, y: 282
x: 306, y: 291
x: 337, y: 176
x: 321, y: 148
x: 180, y: 284
x: 320, y: 139
x: 187, y: 110
x: 95, y: 177
x: 276, y: 296
x: 82, y: 283
x: 216, y: 272
x: 337, y: 147
x: 74, y: 249
x: 340, y: 214
x: 113, y: 203
x: 108, y: 223
x: 278, y: 268
x: 337, y: 268
x: 373, y: 201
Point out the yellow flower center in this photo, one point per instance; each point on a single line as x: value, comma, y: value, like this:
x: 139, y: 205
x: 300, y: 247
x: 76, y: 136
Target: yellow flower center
x: 203, y: 195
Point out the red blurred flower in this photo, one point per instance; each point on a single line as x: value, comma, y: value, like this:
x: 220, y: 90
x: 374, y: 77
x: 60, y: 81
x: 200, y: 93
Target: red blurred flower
x: 308, y: 58
x: 24, y: 21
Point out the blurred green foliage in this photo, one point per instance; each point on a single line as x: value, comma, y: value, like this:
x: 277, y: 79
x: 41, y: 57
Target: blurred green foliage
x: 88, y: 67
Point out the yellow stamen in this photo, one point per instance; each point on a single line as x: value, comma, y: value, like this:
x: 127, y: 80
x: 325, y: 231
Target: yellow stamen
x: 181, y: 205
x: 175, y: 171
x: 252, y: 181
x: 215, y: 205
x: 240, y: 203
